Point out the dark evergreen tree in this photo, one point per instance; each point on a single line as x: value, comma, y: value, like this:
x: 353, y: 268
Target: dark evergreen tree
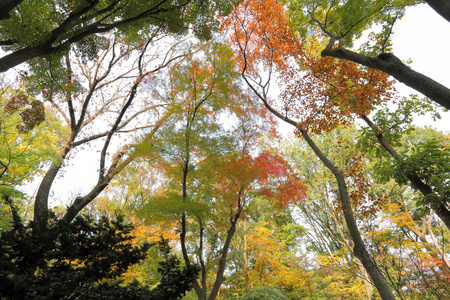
x: 83, y: 260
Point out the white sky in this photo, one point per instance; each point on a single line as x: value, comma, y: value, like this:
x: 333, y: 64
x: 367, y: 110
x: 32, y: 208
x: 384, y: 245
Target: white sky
x: 423, y: 36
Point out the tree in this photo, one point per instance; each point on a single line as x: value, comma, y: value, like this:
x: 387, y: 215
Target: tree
x: 210, y: 170
x: 36, y: 29
x: 29, y: 137
x: 75, y: 66
x: 397, y: 233
x: 339, y: 29
x: 205, y: 88
x: 67, y: 262
x: 265, y: 254
x: 261, y: 36
x: 82, y: 101
x: 319, y: 93
x: 29, y: 140
x: 424, y: 166
x: 84, y: 260
x: 321, y: 210
x: 99, y: 101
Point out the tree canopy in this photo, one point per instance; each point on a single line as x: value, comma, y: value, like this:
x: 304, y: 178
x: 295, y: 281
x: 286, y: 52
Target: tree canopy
x: 197, y: 194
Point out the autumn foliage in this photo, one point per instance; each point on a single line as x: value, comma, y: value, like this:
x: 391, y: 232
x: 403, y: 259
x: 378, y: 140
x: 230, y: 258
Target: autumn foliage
x: 267, y: 174
x: 320, y: 93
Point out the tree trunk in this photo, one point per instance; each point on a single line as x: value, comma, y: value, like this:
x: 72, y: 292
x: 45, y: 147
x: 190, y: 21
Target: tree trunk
x: 393, y: 66
x: 366, y: 280
x: 437, y: 205
x: 223, y: 260
x: 442, y: 7
x: 43, y: 193
x: 359, y: 248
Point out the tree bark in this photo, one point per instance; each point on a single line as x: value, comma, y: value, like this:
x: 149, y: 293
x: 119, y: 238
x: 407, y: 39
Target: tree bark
x: 442, y: 7
x: 223, y: 260
x: 366, y: 280
x: 43, y: 193
x: 393, y: 66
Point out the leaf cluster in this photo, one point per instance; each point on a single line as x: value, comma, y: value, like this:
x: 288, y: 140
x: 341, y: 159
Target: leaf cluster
x: 346, y: 20
x: 29, y: 137
x: 395, y: 124
x: 429, y: 161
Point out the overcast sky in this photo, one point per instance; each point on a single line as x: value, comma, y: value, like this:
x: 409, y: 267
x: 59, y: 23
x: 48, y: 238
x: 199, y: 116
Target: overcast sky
x: 423, y: 36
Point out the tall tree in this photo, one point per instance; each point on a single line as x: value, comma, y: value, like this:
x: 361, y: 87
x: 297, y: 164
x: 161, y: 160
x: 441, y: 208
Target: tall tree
x: 261, y: 36
x: 322, y: 210
x: 35, y: 29
x: 206, y: 87
x: 212, y: 173
x: 99, y: 100
x: 424, y: 166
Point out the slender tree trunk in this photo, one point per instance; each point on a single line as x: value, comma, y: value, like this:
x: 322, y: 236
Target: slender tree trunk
x: 223, y: 260
x: 393, y: 66
x: 359, y: 248
x: 436, y: 204
x: 366, y: 280
x: 246, y: 262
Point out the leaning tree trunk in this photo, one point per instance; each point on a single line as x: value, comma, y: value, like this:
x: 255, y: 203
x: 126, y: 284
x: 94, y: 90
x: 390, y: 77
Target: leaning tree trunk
x: 359, y: 248
x: 393, y: 66
x: 437, y: 205
x: 442, y: 7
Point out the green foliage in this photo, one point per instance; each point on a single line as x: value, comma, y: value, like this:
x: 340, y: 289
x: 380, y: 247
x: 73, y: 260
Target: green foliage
x: 83, y: 260
x: 426, y: 160
x: 395, y: 124
x: 29, y: 137
x: 33, y: 23
x: 52, y: 26
x: 346, y: 20
x: 175, y: 280
x: 422, y: 153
